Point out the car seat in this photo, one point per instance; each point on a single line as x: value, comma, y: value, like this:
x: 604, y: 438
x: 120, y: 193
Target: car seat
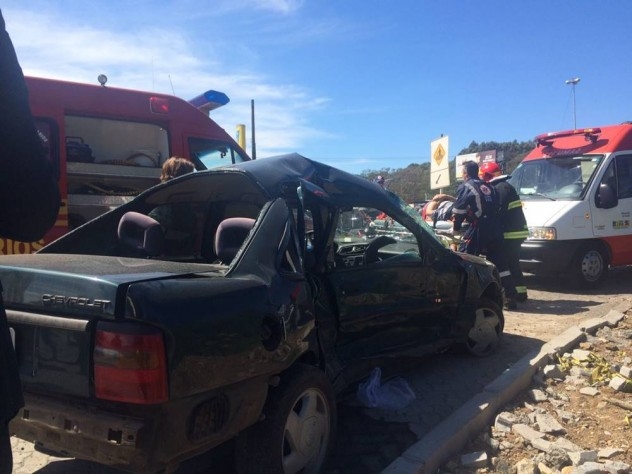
x: 229, y: 237
x: 141, y: 234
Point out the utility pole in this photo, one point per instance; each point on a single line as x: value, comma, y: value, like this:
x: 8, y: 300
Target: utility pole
x: 573, y: 82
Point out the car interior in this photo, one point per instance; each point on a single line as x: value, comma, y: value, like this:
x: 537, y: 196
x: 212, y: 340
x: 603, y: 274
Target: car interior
x: 178, y: 221
x: 144, y: 236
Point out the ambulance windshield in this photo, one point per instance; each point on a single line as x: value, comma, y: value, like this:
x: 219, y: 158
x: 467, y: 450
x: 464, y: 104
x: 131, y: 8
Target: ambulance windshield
x: 557, y: 178
x: 209, y: 154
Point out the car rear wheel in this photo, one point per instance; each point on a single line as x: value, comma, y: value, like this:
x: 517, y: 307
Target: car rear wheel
x: 296, y: 434
x: 486, y: 333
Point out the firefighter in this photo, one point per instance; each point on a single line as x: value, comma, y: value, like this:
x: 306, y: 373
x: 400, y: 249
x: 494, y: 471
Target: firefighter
x: 30, y: 202
x: 514, y: 223
x: 477, y: 204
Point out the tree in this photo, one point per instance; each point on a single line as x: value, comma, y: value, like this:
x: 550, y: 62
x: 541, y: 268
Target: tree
x: 412, y: 183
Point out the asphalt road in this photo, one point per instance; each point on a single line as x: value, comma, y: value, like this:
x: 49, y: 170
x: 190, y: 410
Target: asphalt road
x: 369, y: 440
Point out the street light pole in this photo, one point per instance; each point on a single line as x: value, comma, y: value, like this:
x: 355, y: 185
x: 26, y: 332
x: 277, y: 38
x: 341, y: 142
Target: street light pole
x: 574, y: 82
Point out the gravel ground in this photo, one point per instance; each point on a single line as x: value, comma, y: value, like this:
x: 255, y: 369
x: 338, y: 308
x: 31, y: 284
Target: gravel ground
x: 575, y: 418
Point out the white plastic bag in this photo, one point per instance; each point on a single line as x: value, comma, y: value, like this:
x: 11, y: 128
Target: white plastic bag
x: 393, y: 395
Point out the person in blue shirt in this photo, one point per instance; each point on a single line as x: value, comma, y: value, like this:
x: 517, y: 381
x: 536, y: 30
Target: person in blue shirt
x: 477, y: 204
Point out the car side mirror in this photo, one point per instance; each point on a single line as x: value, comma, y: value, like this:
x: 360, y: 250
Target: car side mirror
x: 606, y: 197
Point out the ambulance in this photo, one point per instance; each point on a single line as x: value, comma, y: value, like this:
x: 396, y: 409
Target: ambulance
x: 576, y: 190
x: 108, y: 144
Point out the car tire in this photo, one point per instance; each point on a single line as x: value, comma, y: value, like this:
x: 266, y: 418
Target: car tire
x: 486, y: 332
x: 297, y: 430
x: 590, y: 265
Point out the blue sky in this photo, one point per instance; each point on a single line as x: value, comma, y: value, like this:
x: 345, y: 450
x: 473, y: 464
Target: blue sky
x: 359, y: 84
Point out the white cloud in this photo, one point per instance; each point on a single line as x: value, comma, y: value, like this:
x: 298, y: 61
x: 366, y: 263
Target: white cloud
x: 282, y: 6
x: 82, y: 52
x: 169, y: 61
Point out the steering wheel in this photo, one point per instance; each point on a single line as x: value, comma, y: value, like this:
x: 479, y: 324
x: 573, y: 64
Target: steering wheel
x: 370, y: 253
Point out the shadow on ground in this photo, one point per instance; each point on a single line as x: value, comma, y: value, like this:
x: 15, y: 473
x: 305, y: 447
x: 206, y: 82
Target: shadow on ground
x: 618, y: 280
x: 369, y: 440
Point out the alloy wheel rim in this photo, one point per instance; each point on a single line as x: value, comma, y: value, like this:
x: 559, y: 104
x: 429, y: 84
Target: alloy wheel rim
x: 307, y: 433
x: 485, y: 333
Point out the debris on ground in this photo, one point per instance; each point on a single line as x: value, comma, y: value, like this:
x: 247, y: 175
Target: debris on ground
x: 575, y: 418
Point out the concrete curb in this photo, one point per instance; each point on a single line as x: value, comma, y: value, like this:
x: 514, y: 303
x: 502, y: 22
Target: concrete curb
x: 452, y: 434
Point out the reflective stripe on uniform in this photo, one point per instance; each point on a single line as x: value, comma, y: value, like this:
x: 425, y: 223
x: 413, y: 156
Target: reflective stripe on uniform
x: 477, y: 197
x: 514, y: 204
x: 519, y: 234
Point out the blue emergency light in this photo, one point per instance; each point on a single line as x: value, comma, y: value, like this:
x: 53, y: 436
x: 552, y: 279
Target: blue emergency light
x: 210, y: 100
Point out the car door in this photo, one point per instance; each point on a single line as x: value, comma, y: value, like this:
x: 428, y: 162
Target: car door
x: 389, y: 303
x: 400, y: 303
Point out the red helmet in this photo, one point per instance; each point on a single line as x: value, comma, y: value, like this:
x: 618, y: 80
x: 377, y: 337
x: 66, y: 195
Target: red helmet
x: 489, y: 170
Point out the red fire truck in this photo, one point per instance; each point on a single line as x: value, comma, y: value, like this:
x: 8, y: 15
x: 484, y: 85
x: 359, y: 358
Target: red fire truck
x: 108, y: 144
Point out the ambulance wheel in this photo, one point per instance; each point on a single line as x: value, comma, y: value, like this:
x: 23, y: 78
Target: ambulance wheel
x: 590, y: 265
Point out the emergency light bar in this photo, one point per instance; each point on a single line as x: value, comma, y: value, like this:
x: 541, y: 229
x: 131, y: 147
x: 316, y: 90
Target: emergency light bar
x: 209, y: 100
x: 159, y: 105
x: 546, y: 138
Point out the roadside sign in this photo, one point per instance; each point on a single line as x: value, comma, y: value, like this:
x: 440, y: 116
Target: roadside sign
x: 480, y: 157
x: 439, y: 163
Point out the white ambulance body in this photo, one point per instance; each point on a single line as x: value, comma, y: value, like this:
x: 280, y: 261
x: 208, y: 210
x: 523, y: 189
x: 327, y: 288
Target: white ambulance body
x: 576, y: 190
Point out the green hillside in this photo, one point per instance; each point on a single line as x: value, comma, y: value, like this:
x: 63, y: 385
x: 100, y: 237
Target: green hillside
x: 413, y: 182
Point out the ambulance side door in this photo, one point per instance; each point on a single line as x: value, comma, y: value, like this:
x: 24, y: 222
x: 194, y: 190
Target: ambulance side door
x: 614, y: 225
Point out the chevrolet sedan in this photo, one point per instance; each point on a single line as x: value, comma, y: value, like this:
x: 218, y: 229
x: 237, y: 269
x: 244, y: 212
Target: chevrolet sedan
x: 233, y: 304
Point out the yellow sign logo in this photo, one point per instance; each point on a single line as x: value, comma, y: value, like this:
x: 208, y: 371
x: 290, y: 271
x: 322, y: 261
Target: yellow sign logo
x: 438, y: 154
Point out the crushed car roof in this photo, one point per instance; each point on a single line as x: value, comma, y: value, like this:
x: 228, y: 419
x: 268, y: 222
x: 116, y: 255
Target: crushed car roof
x: 275, y: 174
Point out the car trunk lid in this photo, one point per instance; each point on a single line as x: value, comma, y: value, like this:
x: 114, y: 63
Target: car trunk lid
x: 53, y: 304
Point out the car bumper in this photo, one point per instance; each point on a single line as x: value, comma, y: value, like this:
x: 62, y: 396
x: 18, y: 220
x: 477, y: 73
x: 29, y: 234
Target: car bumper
x: 547, y: 256
x: 80, y: 431
x: 139, y: 438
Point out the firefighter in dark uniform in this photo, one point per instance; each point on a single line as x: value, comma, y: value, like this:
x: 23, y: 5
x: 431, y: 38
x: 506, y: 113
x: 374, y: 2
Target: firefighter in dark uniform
x: 514, y: 223
x: 477, y: 204
x: 30, y: 202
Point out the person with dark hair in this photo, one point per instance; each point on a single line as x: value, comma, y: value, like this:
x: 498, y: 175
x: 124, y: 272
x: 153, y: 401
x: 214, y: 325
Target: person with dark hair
x: 177, y: 219
x: 30, y: 203
x: 477, y: 204
x: 513, y: 221
x: 174, y: 167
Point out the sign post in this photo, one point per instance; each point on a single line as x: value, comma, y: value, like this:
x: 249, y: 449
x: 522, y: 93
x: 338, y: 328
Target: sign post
x: 439, y: 163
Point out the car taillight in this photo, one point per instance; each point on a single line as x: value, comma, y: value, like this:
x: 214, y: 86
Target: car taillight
x: 130, y: 364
